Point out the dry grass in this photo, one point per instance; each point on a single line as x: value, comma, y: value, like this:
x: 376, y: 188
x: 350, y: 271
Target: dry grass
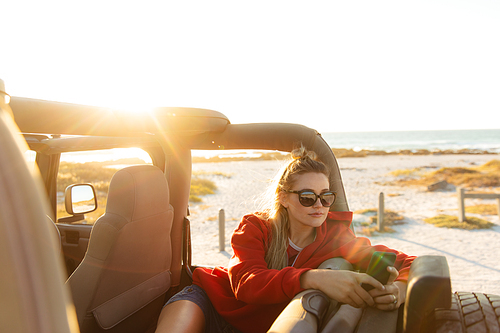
x: 200, y: 187
x: 466, y: 177
x: 371, y: 230
x: 491, y: 166
x: 95, y: 173
x: 338, y: 152
x: 239, y: 157
x: 484, y: 209
x: 487, y: 175
x: 342, y: 152
x: 448, y: 221
x: 415, y: 172
x: 390, y: 218
x: 212, y: 173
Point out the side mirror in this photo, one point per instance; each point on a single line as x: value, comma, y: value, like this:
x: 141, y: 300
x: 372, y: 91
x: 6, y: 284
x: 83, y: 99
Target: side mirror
x: 80, y: 199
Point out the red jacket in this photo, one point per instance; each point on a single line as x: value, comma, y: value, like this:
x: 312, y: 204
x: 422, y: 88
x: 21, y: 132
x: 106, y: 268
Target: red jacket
x: 250, y: 296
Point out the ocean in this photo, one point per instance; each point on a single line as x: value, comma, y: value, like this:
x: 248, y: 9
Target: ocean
x: 487, y: 140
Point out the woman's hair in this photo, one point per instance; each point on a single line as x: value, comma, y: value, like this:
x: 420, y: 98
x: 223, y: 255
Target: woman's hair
x: 303, y: 161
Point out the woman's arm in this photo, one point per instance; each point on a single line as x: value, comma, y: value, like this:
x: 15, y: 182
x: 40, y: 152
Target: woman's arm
x: 342, y: 286
x: 345, y: 287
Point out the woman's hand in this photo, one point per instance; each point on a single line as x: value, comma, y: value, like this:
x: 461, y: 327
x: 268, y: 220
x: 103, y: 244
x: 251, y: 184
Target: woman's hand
x: 342, y: 286
x: 393, y: 295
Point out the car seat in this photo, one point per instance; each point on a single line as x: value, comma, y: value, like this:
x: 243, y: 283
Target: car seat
x: 118, y: 287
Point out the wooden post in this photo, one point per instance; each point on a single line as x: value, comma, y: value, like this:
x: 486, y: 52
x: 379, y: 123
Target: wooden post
x: 222, y: 230
x: 380, y: 217
x: 461, y: 204
x: 498, y: 204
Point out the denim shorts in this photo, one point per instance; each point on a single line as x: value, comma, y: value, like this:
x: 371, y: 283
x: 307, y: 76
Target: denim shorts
x: 214, y: 323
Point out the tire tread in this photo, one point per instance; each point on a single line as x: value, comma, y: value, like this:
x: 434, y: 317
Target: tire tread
x: 469, y: 313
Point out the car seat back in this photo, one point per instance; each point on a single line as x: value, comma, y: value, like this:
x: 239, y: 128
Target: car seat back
x: 127, y: 263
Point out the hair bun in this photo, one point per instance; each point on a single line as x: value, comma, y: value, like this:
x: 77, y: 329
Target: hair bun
x: 302, y: 153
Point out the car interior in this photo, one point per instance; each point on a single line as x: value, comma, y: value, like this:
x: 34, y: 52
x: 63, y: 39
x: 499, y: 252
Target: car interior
x: 120, y: 270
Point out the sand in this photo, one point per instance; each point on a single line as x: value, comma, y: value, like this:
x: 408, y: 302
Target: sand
x: 471, y: 255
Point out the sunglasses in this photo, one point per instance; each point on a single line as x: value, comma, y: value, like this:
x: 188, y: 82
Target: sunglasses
x: 307, y: 198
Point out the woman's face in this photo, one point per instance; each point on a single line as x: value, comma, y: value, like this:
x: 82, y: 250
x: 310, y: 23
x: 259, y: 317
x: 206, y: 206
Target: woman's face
x: 299, y: 215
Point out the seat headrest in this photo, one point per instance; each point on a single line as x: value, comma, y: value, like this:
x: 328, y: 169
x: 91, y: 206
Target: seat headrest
x: 138, y: 192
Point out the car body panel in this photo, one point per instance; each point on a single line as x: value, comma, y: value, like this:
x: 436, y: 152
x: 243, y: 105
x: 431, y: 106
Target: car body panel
x: 31, y: 116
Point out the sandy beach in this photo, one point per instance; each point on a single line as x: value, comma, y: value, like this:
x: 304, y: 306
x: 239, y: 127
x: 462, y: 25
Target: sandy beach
x: 471, y: 255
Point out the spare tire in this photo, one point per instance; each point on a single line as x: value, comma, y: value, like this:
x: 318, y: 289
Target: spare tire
x: 469, y: 313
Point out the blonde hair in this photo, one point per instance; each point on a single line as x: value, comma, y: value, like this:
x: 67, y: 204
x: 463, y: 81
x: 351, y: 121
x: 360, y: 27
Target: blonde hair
x: 303, y: 161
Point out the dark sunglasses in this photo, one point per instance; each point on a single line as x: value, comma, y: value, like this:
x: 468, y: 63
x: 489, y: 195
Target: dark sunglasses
x: 307, y: 198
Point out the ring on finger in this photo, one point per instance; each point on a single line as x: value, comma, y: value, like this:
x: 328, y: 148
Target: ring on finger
x: 395, y: 299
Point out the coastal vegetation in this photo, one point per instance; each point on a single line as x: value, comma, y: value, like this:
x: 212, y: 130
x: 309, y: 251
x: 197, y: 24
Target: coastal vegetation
x: 449, y: 221
x: 211, y: 173
x: 369, y: 228
x: 343, y: 152
x: 96, y: 173
x: 201, y: 187
x: 486, y: 175
x: 227, y: 156
x: 408, y: 173
x: 235, y: 157
x: 483, y: 209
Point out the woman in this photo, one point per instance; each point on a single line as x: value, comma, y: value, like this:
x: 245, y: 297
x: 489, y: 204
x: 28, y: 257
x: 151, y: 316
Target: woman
x: 276, y: 255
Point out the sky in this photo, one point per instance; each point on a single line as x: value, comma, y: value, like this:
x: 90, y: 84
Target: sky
x: 334, y: 66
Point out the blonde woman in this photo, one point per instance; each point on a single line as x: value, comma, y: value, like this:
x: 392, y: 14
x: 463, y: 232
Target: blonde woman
x: 276, y: 255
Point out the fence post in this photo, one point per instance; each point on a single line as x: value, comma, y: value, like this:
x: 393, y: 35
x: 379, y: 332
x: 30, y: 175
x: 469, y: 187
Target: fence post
x: 498, y: 204
x: 222, y: 230
x: 461, y: 204
x: 380, y: 217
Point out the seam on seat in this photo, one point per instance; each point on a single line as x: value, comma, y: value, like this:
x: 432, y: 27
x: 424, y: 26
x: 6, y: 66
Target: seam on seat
x: 122, y: 306
x: 141, y: 219
x: 113, y: 225
x: 127, y: 222
x: 151, y: 216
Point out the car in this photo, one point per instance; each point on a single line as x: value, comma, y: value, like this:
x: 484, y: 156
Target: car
x: 61, y: 273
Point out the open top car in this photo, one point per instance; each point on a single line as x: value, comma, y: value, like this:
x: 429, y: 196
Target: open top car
x: 63, y: 274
